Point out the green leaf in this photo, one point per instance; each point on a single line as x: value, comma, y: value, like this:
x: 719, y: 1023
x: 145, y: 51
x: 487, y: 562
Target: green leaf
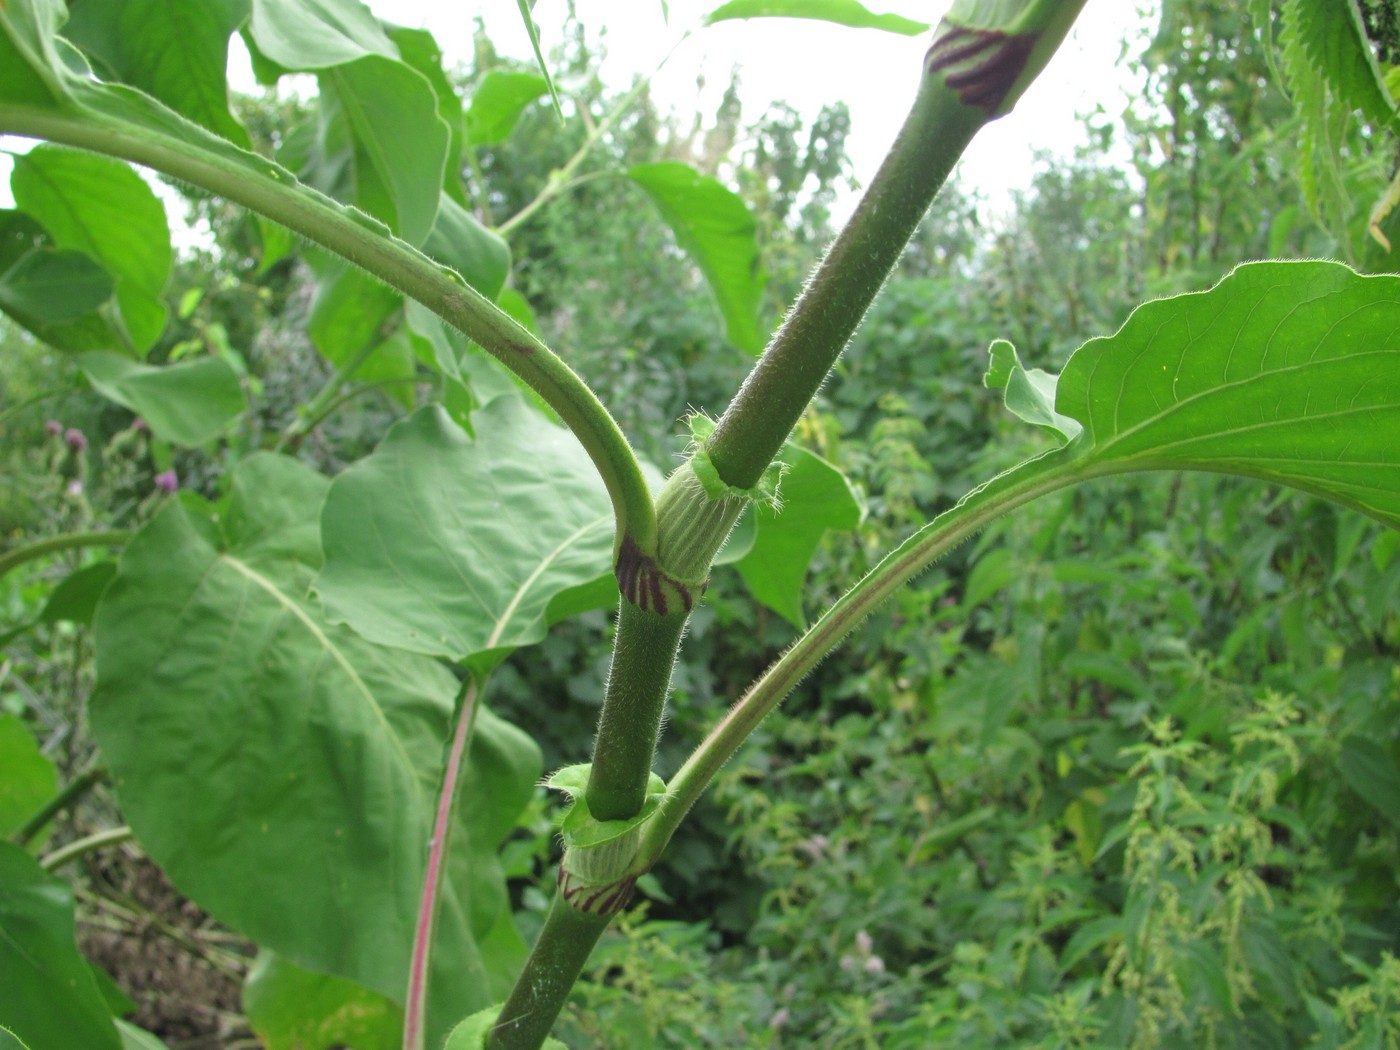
x: 290, y: 1008
x: 134, y: 1038
x: 50, y: 999
x: 1030, y: 395
x: 10, y: 1041
x: 442, y: 545
x: 356, y: 324
x: 814, y: 496
x: 381, y: 143
x: 842, y: 12
x: 30, y: 779
x: 497, y: 102
x: 329, y: 750
x: 458, y: 240
x: 187, y: 403
x: 172, y: 50
x: 43, y: 286
x: 533, y: 31
x: 1335, y: 41
x: 102, y: 208
x: 716, y: 229
x: 351, y: 313
x: 49, y: 287
x: 472, y: 1032
x: 119, y: 1004
x: 316, y: 34
x: 56, y: 293
x: 1284, y: 371
x: 28, y: 63
x: 1373, y: 773
x: 421, y: 53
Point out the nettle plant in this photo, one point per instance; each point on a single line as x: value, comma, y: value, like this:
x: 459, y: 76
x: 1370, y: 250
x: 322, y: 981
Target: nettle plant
x: 292, y: 683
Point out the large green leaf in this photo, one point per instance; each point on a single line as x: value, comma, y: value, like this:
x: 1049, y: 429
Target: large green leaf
x: 351, y: 313
x: 814, y: 497
x: 171, y: 49
x: 282, y: 770
x: 420, y: 51
x: 497, y: 102
x: 381, y: 116
x: 187, y: 403
x: 28, y: 63
x: 842, y: 12
x: 1284, y: 371
x: 54, y: 292
x: 29, y: 780
x: 102, y: 208
x: 716, y: 229
x: 379, y: 140
x: 48, y: 997
x: 316, y: 34
x: 443, y: 545
x: 290, y: 1008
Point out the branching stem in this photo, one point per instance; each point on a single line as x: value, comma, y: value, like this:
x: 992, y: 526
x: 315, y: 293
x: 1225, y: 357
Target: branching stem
x: 899, y: 567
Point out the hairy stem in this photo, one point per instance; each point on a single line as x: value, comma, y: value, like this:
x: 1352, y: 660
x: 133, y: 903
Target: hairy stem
x: 555, y: 962
x: 757, y: 422
x: 644, y: 653
x: 88, y: 777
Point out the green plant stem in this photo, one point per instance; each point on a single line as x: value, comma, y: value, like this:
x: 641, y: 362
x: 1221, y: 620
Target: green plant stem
x: 757, y: 422
x: 563, y: 946
x: 644, y: 653
x: 88, y: 844
x: 72, y: 541
x: 393, y: 261
x: 1011, y: 490
x: 88, y: 777
x: 345, y: 397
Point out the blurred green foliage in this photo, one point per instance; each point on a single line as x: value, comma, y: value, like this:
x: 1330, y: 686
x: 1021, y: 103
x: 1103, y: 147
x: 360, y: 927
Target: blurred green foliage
x: 1123, y: 772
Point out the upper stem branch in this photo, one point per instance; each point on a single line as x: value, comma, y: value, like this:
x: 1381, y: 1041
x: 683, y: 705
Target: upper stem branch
x: 757, y: 422
x: 393, y: 261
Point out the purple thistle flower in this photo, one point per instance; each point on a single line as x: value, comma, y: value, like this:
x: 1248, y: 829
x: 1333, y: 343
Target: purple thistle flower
x: 54, y: 427
x: 167, y: 481
x: 75, y: 439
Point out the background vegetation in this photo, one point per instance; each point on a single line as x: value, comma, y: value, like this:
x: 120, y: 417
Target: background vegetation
x: 1124, y: 772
